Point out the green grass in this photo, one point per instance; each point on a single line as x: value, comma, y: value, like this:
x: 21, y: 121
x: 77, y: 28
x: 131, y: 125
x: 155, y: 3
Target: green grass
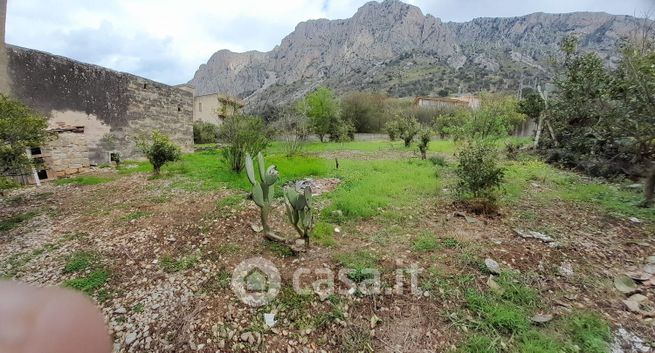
x: 228, y: 249
x: 90, y: 283
x: 207, y: 170
x: 79, y: 261
x: 83, y: 180
x: 358, y: 261
x: 92, y: 273
x: 479, y: 344
x: 279, y: 250
x: 218, y: 282
x: 589, y: 332
x: 12, y: 222
x: 323, y: 234
x: 371, y: 187
x: 567, y: 186
x: 427, y: 242
x: 134, y: 216
x: 171, y: 265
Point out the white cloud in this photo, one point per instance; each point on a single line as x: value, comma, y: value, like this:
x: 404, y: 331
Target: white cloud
x: 166, y: 40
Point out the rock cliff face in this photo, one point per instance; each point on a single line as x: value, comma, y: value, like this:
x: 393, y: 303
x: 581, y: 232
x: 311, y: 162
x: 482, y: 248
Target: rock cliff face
x: 391, y: 46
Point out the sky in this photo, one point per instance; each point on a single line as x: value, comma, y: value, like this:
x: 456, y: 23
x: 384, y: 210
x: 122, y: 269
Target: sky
x: 166, y: 40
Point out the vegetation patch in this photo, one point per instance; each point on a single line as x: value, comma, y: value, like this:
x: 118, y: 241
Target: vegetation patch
x: 358, y: 262
x: 83, y: 180
x: 171, y: 264
x: 12, y: 222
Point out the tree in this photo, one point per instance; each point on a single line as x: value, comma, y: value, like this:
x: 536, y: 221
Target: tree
x: 531, y: 105
x: 159, y: 149
x: 243, y: 135
x: 405, y: 127
x: 365, y: 110
x: 634, y: 88
x: 322, y: 108
x: 425, y: 136
x: 20, y: 129
x: 495, y: 119
x: 293, y: 126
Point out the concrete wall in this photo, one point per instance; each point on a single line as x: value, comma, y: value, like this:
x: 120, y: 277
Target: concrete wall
x: 114, y: 107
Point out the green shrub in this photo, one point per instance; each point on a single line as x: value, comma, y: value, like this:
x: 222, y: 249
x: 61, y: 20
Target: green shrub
x: 204, y: 132
x: 243, y: 135
x: 159, y: 150
x: 404, y: 126
x: 424, y: 140
x: 478, y: 172
x: 20, y: 129
x: 7, y: 184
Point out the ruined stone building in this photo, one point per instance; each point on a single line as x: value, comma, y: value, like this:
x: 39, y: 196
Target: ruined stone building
x: 95, y: 113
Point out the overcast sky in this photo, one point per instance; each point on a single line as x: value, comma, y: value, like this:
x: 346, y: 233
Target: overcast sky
x: 166, y: 40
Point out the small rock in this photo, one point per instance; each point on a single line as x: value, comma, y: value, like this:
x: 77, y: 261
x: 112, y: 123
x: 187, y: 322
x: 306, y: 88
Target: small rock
x: 269, y: 319
x: 256, y: 228
x: 130, y: 338
x: 634, y: 220
x: 566, y: 269
x: 120, y: 310
x: 541, y: 319
x: 492, y: 266
x: 337, y: 230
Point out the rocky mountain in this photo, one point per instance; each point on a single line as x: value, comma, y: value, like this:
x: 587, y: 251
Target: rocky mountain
x: 393, y: 47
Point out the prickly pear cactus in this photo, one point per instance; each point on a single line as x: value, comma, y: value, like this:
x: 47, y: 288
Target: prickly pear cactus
x: 299, y: 210
x: 263, y: 190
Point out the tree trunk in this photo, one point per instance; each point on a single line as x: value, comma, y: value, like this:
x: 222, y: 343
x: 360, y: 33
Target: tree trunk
x: 552, y: 134
x: 649, y: 188
x: 540, y: 127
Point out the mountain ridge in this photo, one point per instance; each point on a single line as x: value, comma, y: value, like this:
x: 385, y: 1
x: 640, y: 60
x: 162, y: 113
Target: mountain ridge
x: 393, y: 47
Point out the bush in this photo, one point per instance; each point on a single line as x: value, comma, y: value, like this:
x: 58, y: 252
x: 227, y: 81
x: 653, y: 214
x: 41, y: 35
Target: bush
x: 322, y: 108
x: 6, y: 184
x: 243, y: 134
x: 159, y: 150
x: 424, y: 140
x: 405, y: 127
x: 479, y: 176
x: 365, y: 110
x: 20, y: 129
x: 204, y: 132
x: 293, y: 127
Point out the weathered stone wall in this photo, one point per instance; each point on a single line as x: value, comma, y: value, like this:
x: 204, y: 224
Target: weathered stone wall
x: 113, y: 107
x: 66, y: 154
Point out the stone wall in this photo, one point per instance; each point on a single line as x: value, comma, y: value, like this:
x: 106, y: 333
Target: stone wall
x: 114, y: 107
x: 66, y: 154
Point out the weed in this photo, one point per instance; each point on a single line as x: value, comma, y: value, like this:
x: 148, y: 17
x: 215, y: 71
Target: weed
x: 228, y: 249
x: 502, y: 316
x: 217, y: 282
x: 83, y: 180
x: 425, y: 242
x: 230, y: 201
x: 90, y: 283
x: 12, y: 222
x: 171, y: 265
x: 479, y: 344
x: 358, y: 262
x: 138, y: 308
x: 278, y: 249
x: 134, y: 216
x: 537, y: 342
x: 589, y: 332
x: 438, y: 161
x: 356, y: 339
x: 323, y: 234
x: 79, y: 261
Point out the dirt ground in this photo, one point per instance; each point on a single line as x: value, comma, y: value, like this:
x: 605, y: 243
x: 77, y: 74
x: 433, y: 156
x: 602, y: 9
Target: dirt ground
x: 131, y: 223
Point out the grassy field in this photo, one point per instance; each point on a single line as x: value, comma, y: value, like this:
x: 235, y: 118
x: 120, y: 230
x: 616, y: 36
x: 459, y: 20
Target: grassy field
x: 192, y: 225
